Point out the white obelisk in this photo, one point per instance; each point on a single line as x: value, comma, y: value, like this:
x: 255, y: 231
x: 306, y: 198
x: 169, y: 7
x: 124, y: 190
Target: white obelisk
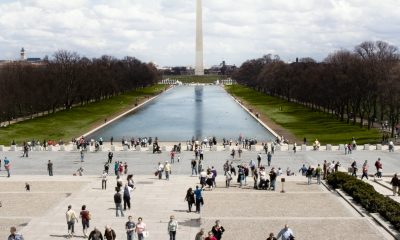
x: 199, y: 69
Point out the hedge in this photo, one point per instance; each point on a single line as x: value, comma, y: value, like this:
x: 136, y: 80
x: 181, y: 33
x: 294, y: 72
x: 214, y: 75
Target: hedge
x: 365, y: 194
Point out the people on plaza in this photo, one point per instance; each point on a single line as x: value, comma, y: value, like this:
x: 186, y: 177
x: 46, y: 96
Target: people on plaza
x: 118, y: 202
x: 14, y: 235
x: 127, y: 196
x: 130, y: 227
x: 199, y: 198
x: 286, y: 233
x: 85, y: 216
x: 395, y: 184
x: 303, y: 170
x: 271, y: 237
x: 259, y: 160
x: 272, y: 178
x: 200, y: 235
x: 95, y: 234
x: 354, y: 169
x: 140, y: 229
x: 378, y: 166
x: 7, y: 166
x: 109, y: 233
x: 210, y: 236
x: 365, y: 170
x: 190, y: 198
x: 82, y: 156
x: 27, y: 187
x: 217, y: 230
x: 50, y: 168
x: 172, y: 227
x: 167, y: 169
x: 71, y: 219
x: 228, y: 179
x: 104, y: 180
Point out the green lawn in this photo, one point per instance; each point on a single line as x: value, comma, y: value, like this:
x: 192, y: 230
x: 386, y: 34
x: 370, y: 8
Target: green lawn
x: 196, y: 79
x: 72, y: 123
x: 302, y: 121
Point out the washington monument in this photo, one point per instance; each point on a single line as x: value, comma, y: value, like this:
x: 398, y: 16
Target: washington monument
x: 199, y: 69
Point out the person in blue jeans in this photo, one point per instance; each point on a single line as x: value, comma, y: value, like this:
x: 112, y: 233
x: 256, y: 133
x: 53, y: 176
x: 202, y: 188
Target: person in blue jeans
x: 118, y: 202
x: 199, y: 198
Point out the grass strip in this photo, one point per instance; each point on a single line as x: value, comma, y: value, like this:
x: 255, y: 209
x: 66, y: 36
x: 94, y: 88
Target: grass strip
x: 66, y: 124
x: 302, y: 121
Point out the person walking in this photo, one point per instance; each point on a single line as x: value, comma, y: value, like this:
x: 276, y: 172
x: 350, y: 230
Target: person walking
x: 172, y: 227
x: 365, y: 170
x: 325, y: 169
x: 199, y: 198
x: 71, y: 219
x: 160, y: 170
x: 199, y: 235
x: 104, y: 180
x: 140, y: 229
x: 85, y: 216
x: 378, y: 166
x: 95, y: 234
x: 395, y: 184
x: 190, y: 198
x: 14, y: 235
x: 109, y: 233
x: 286, y: 233
x: 354, y: 168
x: 218, y: 230
x: 259, y: 159
x: 50, y: 168
x: 130, y: 227
x: 309, y: 174
x: 118, y: 202
x: 82, y: 156
x: 210, y: 236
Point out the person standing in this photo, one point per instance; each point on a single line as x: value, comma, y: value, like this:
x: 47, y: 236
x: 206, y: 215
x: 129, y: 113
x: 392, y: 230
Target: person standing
x: 110, y: 156
x: 199, y: 198
x: 272, y: 178
x: 7, y: 166
x: 365, y: 170
x: 210, y: 236
x: 172, y: 154
x: 125, y: 168
x: 172, y: 227
x: 218, y: 230
x: 82, y: 156
x: 269, y: 158
x: 286, y: 233
x: 127, y: 197
x: 194, y: 167
x: 140, y: 228
x: 160, y: 170
x: 85, y: 216
x: 104, y: 180
x: 118, y: 202
x: 325, y: 169
x: 318, y: 171
x: 190, y: 198
x: 201, y: 155
x: 50, y: 168
x: 95, y: 234
x: 167, y: 169
x: 259, y: 160
x: 116, y: 166
x: 109, y: 233
x: 199, y: 235
x: 130, y: 228
x: 395, y: 184
x: 71, y: 219
x: 14, y: 235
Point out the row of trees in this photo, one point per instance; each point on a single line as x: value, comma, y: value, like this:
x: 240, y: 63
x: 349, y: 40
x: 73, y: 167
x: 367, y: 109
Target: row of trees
x: 66, y: 80
x: 362, y: 85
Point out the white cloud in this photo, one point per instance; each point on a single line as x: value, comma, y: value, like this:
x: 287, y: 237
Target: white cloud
x: 163, y: 30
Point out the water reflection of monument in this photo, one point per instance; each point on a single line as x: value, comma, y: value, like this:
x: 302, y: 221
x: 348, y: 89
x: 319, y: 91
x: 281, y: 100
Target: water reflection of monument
x: 198, y: 112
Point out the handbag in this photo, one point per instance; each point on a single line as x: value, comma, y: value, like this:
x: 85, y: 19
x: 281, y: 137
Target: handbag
x: 146, y: 234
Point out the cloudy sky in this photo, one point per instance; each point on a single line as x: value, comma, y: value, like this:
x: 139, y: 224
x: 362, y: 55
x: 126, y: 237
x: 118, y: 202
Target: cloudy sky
x: 163, y: 31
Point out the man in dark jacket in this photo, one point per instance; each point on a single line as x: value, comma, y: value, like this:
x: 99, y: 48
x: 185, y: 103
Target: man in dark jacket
x: 118, y: 202
x: 95, y: 235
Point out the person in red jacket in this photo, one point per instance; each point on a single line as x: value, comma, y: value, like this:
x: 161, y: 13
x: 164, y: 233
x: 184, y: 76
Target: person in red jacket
x: 210, y: 236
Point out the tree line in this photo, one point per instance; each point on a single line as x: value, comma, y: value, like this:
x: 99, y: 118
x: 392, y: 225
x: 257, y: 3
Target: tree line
x: 361, y: 86
x: 66, y: 80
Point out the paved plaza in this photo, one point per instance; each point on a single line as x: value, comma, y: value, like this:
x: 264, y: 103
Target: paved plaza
x: 311, y: 211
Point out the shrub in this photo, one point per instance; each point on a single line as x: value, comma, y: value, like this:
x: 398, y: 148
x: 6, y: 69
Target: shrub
x: 367, y: 197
